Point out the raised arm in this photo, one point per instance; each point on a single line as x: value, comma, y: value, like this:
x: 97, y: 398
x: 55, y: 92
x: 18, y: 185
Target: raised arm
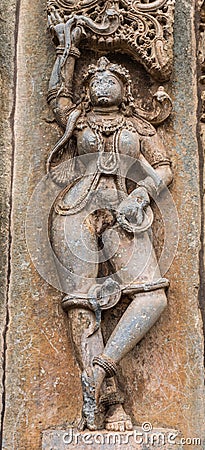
x: 157, y: 174
x: 60, y: 95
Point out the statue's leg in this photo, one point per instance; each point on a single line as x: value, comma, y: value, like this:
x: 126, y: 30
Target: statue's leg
x: 134, y: 262
x: 139, y: 317
x: 87, y: 346
x: 142, y: 313
x: 76, y: 253
x: 76, y: 248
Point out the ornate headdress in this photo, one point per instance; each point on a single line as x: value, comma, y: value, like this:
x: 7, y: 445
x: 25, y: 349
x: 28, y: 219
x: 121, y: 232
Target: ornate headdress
x: 103, y: 64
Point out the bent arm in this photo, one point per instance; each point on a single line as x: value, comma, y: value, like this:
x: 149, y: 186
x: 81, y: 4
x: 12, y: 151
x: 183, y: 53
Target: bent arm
x: 165, y: 174
x: 156, y: 165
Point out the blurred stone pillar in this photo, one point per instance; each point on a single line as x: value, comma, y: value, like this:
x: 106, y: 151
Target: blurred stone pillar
x: 201, y: 133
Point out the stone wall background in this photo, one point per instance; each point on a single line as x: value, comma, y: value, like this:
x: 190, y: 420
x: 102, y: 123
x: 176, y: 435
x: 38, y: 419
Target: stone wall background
x: 7, y: 105
x: 200, y: 20
x: 40, y: 378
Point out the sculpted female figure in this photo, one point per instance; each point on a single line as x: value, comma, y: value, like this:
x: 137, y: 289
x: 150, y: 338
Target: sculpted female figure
x: 96, y: 219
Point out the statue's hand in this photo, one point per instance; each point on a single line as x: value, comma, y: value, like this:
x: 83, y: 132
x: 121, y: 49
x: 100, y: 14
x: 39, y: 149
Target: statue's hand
x: 76, y: 34
x: 133, y: 207
x: 56, y: 25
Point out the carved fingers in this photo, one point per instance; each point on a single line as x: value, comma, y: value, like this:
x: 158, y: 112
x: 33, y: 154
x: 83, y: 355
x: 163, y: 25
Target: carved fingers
x: 56, y: 25
x: 59, y: 27
x: 132, y: 208
x: 138, y: 199
x: 76, y: 34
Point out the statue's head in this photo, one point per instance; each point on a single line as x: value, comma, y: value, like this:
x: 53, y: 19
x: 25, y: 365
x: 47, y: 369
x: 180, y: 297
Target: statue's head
x: 108, y: 84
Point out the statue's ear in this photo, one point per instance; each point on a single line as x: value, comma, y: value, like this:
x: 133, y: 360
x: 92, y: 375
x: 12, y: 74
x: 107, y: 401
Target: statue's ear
x: 87, y: 101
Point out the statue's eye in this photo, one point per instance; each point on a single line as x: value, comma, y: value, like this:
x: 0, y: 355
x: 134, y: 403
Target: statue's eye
x: 95, y: 83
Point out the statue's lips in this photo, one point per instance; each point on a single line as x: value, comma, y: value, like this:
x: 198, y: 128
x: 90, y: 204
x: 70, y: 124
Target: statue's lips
x: 103, y: 97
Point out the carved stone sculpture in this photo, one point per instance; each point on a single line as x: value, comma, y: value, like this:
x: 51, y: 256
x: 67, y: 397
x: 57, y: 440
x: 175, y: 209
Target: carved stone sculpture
x: 141, y: 29
x: 100, y: 225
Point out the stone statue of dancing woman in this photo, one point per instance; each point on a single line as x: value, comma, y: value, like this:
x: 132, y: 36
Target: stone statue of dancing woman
x: 97, y: 204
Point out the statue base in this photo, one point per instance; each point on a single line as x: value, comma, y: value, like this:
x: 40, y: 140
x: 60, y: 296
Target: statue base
x: 140, y: 438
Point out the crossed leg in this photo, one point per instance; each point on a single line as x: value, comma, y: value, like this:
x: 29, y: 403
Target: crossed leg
x: 133, y: 264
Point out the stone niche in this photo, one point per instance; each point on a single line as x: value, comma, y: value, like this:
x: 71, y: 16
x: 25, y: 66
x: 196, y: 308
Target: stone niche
x: 162, y: 377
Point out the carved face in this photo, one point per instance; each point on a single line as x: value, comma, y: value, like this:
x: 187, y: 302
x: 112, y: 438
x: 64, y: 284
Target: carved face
x: 105, y: 90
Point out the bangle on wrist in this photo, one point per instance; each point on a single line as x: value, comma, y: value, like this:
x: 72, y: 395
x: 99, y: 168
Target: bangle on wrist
x: 59, y: 50
x: 52, y: 95
x: 75, y: 52
x: 65, y: 92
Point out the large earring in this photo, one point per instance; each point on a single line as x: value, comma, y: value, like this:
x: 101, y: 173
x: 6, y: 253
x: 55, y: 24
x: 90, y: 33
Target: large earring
x: 86, y: 100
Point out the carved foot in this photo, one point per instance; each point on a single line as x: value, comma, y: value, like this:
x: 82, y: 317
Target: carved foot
x: 94, y: 422
x: 117, y: 419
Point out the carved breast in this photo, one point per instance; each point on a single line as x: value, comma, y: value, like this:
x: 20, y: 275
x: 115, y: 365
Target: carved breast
x: 128, y: 142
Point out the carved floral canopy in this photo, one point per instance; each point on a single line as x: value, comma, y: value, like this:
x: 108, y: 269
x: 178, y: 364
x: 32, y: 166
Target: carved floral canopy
x: 143, y: 29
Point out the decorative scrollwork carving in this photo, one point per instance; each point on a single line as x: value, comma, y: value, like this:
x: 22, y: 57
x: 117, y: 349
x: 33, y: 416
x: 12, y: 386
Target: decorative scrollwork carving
x: 70, y: 5
x: 141, y: 29
x: 147, y: 6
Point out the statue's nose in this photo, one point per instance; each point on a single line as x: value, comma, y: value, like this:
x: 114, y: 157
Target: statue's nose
x: 101, y: 91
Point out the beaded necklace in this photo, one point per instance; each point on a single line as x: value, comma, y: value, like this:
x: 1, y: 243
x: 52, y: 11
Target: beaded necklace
x: 108, y: 162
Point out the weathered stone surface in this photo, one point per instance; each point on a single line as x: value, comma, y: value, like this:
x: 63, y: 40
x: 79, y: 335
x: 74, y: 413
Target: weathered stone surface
x: 42, y: 378
x: 201, y: 135
x: 36, y: 335
x: 7, y: 104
